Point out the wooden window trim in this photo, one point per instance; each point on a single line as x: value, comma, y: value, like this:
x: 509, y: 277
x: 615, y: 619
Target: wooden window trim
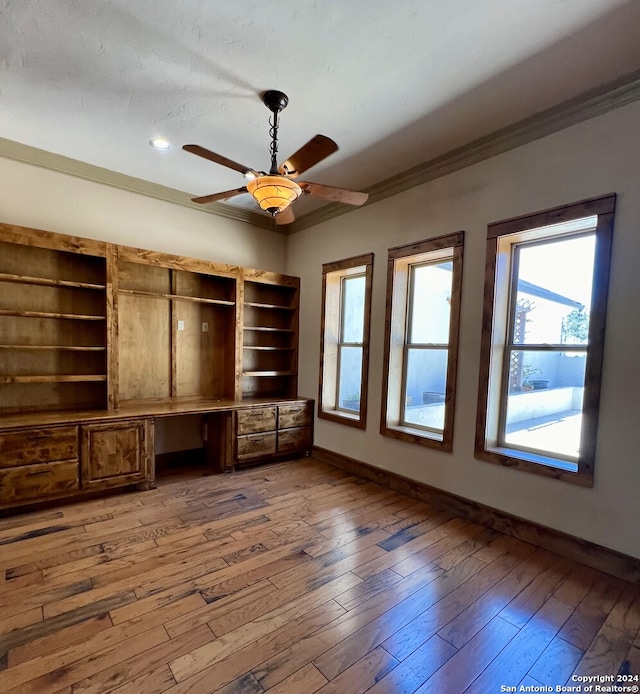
x: 604, y: 208
x: 330, y: 323
x: 399, y: 260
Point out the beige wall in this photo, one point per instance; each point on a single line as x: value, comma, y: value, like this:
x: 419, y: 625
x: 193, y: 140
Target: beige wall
x: 42, y: 199
x: 599, y: 156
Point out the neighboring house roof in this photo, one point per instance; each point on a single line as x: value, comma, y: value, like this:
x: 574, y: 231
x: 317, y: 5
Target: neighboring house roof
x: 542, y: 293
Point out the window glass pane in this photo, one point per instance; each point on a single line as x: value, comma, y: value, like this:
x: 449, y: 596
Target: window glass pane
x: 554, y: 291
x: 349, y: 378
x: 544, y: 403
x: 425, y: 387
x: 430, y: 306
x: 353, y: 308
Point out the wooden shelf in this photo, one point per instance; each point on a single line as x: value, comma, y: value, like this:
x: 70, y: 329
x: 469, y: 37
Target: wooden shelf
x: 46, y: 314
x: 64, y: 348
x: 45, y: 281
x: 84, y: 378
x: 268, y: 349
x: 263, y: 329
x: 279, y: 307
x: 176, y: 297
x: 261, y: 374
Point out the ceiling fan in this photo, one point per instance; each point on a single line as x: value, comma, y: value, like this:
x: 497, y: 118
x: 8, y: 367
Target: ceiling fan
x: 276, y: 191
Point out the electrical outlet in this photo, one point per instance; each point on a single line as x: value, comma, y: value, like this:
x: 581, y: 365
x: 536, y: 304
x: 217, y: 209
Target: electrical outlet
x: 205, y: 327
x: 180, y: 325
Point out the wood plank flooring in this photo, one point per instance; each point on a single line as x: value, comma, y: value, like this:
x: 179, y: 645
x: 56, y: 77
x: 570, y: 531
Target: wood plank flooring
x: 295, y: 578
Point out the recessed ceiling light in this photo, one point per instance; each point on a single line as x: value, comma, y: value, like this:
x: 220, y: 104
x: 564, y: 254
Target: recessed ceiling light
x: 160, y: 144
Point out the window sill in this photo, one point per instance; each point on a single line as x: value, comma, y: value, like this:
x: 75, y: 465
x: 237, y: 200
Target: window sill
x: 564, y: 470
x: 538, y: 459
x: 356, y: 420
x: 431, y: 439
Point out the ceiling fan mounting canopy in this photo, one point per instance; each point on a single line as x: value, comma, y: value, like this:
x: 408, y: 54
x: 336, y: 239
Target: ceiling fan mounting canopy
x: 275, y: 101
x: 276, y: 191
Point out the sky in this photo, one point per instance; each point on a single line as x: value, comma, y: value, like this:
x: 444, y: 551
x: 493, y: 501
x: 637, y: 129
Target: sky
x: 564, y: 267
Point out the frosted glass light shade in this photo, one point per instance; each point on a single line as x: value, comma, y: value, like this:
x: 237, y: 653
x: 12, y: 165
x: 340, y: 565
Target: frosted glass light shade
x: 274, y: 193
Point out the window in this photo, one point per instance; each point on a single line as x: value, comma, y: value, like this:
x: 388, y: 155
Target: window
x: 344, y: 348
x: 545, y: 304
x: 421, y: 343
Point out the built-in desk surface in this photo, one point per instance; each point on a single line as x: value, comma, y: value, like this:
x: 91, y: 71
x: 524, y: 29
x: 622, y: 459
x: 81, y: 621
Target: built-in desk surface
x: 163, y: 408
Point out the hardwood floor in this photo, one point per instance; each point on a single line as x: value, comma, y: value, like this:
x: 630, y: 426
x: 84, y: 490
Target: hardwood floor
x: 295, y: 578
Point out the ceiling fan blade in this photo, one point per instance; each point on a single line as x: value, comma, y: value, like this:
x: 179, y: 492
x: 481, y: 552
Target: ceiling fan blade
x: 317, y: 149
x: 318, y: 190
x: 220, y: 196
x: 218, y: 159
x: 286, y: 216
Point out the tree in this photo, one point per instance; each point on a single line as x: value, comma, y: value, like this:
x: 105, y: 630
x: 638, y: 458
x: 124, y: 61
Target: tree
x: 575, y: 326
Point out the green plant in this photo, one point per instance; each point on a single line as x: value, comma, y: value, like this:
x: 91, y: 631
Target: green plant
x: 527, y: 372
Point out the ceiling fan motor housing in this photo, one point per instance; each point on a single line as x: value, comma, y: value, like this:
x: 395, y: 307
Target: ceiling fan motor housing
x: 275, y: 101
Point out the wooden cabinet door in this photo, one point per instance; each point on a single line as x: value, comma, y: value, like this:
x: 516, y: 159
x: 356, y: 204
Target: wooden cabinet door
x: 116, y: 454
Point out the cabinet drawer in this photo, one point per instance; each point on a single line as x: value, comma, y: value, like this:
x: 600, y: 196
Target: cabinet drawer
x: 38, y: 446
x: 254, y: 420
x: 298, y: 415
x: 255, y: 446
x: 38, y: 481
x: 296, y: 439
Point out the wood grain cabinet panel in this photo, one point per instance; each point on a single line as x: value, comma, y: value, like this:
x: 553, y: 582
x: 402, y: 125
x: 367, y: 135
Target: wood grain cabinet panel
x: 296, y: 415
x: 38, y: 464
x: 29, y: 446
x: 116, y: 454
x: 253, y: 420
x: 255, y: 446
x: 297, y: 439
x: 39, y: 481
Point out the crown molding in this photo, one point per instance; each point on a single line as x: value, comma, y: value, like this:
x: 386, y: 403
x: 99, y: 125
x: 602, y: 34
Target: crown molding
x: 571, y: 112
x: 73, y: 167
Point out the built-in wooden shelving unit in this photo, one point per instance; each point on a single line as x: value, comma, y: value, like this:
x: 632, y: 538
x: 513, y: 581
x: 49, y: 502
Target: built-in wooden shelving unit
x: 270, y: 335
x: 53, y: 336
x: 97, y: 340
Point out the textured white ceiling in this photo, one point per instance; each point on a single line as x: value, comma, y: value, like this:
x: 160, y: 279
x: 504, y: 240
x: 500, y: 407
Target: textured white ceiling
x: 393, y: 83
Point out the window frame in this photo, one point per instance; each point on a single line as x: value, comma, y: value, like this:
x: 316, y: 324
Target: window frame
x: 401, y: 260
x: 502, y: 238
x: 331, y: 343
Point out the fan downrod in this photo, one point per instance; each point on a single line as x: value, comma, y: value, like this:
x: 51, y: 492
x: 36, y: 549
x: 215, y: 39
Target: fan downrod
x: 275, y: 101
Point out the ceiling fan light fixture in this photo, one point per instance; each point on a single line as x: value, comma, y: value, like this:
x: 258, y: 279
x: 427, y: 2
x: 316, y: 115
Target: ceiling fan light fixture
x: 274, y: 193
